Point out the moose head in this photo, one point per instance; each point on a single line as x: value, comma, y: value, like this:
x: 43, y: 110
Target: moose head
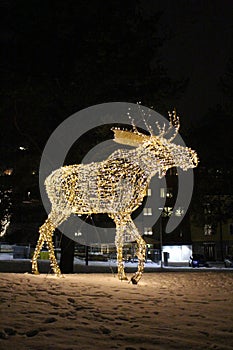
x: 160, y: 148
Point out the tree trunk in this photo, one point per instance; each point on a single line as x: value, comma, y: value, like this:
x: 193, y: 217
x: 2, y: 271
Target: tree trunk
x: 67, y: 255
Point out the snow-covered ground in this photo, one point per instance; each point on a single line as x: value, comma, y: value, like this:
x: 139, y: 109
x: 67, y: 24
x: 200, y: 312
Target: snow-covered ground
x: 166, y: 310
x: 6, y: 256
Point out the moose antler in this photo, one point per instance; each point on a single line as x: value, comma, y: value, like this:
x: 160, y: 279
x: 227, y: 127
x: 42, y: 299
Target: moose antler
x: 130, y: 138
x: 174, y: 123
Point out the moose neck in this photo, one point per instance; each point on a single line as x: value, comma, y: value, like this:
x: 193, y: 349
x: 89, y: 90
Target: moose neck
x: 151, y: 161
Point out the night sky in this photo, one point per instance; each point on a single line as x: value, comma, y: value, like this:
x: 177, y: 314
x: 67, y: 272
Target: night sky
x: 199, y: 48
x: 43, y: 43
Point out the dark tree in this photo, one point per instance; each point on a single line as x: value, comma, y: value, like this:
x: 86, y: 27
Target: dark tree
x: 60, y: 57
x: 213, y: 196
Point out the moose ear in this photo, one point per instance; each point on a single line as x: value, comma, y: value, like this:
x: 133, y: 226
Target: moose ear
x: 129, y: 138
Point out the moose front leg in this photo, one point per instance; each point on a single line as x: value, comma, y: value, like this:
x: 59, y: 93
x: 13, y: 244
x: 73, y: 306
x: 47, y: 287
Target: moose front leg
x: 120, y: 263
x: 132, y: 231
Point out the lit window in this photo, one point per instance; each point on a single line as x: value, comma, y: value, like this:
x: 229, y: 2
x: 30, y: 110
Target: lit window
x: 207, y: 208
x: 8, y: 171
x: 167, y: 211
x: 179, y: 211
x: 166, y: 192
x: 169, y: 193
x: 162, y: 192
x: 172, y: 172
x: 208, y: 230
x: 148, y: 231
x: 147, y: 211
x: 104, y: 249
x: 127, y: 238
x: 149, y: 192
x: 78, y: 233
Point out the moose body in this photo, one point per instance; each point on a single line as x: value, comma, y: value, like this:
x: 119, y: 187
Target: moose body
x: 102, y: 187
x: 115, y: 186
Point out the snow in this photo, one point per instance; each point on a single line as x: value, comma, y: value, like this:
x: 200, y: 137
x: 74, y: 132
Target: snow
x: 6, y: 256
x: 166, y: 310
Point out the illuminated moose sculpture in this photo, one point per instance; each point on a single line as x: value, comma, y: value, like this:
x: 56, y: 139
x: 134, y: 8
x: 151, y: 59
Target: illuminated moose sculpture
x: 115, y: 186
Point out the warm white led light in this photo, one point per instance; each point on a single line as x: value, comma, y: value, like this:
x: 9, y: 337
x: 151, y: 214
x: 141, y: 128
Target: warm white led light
x: 115, y: 186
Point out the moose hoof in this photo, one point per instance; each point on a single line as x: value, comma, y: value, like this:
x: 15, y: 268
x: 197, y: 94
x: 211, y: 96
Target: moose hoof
x: 122, y: 278
x: 58, y: 275
x: 134, y: 281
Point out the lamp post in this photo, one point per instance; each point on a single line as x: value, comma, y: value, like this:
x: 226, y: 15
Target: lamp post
x: 161, y: 241
x: 161, y: 238
x: 220, y: 225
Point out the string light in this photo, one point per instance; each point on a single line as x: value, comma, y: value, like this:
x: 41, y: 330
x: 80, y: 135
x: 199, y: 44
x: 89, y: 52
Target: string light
x: 5, y: 222
x: 115, y: 186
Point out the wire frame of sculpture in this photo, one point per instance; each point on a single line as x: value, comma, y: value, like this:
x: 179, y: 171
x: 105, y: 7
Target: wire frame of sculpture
x: 115, y: 186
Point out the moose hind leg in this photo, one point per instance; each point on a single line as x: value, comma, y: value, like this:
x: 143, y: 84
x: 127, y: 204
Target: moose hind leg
x: 132, y: 230
x: 49, y: 229
x: 120, y: 263
x: 141, y: 252
x: 38, y: 248
x: 54, y: 220
x: 119, y: 245
x: 52, y: 257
